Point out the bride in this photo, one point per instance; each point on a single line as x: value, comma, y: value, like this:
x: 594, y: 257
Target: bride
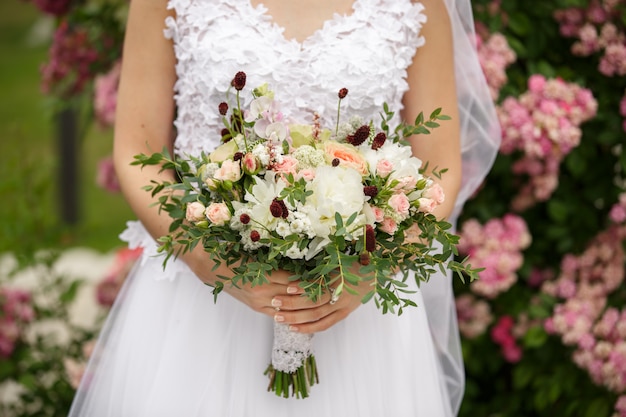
x: 167, y: 349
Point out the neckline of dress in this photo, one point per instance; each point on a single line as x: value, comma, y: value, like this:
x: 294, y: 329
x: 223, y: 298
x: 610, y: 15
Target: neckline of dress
x: 335, y: 18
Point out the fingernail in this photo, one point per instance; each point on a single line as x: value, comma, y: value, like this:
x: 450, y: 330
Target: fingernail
x: 293, y: 329
x: 279, y: 318
x: 276, y: 302
x: 292, y: 290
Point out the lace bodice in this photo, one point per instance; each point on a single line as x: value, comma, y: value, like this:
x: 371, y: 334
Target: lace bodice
x: 367, y: 51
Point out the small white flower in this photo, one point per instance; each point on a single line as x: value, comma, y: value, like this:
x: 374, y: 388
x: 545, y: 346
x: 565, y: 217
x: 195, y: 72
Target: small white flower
x: 309, y: 157
x: 260, y: 151
x: 283, y: 229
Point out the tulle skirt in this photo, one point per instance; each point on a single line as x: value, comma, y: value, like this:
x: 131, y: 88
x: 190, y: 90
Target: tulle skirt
x: 168, y: 350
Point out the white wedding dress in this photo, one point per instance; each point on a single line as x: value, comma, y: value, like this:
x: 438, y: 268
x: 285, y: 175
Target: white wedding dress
x: 167, y: 349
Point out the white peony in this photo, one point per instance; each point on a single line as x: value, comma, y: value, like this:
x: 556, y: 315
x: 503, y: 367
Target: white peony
x: 335, y: 190
x: 400, y: 156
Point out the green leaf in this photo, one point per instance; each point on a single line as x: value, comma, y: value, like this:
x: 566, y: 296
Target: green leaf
x: 70, y: 293
x: 598, y: 407
x: 558, y: 211
x: 520, y: 23
x: 535, y: 337
x: 28, y: 380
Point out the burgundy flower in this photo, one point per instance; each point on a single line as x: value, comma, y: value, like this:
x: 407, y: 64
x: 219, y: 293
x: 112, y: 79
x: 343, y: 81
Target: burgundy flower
x: 343, y: 93
x: 238, y: 156
x: 379, y: 141
x: 359, y: 136
x: 255, y: 236
x: 53, y: 7
x: 335, y: 162
x: 239, y: 82
x: 225, y: 135
x: 244, y: 218
x: 278, y: 208
x: 370, y: 190
x: 223, y: 108
x: 370, y: 238
x: 364, y: 259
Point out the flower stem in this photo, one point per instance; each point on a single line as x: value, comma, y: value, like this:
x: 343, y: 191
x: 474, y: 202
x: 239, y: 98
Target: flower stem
x: 296, y: 384
x: 243, y: 130
x: 338, y: 114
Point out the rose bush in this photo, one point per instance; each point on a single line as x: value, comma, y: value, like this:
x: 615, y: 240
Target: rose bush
x: 542, y: 332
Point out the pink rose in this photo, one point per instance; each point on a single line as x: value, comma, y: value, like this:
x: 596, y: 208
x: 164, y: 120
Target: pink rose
x: 406, y: 184
x: 384, y: 168
x: 426, y: 205
x: 218, y: 213
x: 287, y: 166
x: 379, y: 214
x: 251, y: 164
x: 308, y: 174
x: 106, y: 178
x: 388, y: 225
x: 195, y: 212
x: 536, y: 83
x: 229, y: 171
x: 400, y: 204
x: 435, y: 192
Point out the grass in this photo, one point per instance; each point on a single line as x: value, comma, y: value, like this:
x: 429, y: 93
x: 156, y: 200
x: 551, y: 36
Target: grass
x: 29, y: 189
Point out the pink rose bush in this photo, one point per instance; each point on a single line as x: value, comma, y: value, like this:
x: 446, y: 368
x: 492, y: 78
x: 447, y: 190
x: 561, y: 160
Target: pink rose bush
x: 474, y: 315
x: 72, y: 58
x: 54, y: 7
x: 16, y: 310
x: 543, y: 124
x: 106, y: 177
x: 599, y: 30
x: 502, y: 334
x: 495, y: 56
x: 105, y: 95
x: 497, y: 246
x: 584, y: 319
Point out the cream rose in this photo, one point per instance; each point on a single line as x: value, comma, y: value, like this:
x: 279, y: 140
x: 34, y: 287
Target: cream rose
x: 218, y: 213
x: 435, y: 192
x: 229, y: 171
x: 348, y: 156
x: 195, y: 212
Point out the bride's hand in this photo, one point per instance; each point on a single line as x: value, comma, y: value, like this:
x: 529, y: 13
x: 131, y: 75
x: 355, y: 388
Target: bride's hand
x: 268, y: 298
x: 272, y: 298
x: 326, y: 313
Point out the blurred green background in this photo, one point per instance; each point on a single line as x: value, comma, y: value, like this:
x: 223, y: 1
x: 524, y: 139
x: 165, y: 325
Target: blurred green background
x: 29, y: 162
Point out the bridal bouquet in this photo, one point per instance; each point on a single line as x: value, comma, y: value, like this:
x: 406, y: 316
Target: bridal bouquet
x: 313, y: 201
